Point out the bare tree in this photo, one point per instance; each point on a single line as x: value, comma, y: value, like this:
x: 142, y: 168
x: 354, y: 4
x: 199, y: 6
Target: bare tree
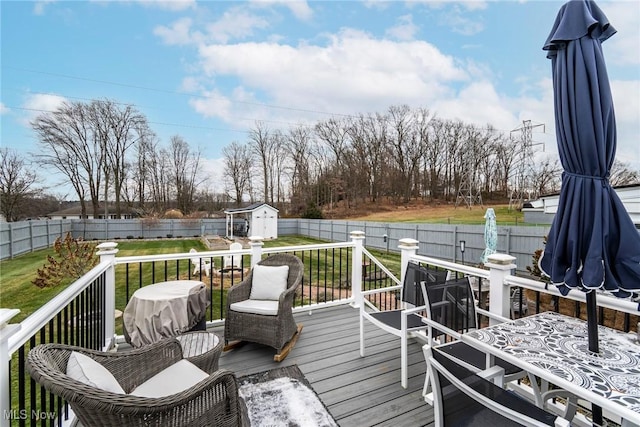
x: 140, y: 180
x: 184, y: 170
x: 16, y: 184
x: 88, y: 144
x: 505, y: 152
x: 281, y: 158
x: 69, y: 143
x: 333, y: 155
x: 263, y: 146
x: 622, y: 174
x: 119, y: 129
x: 545, y: 177
x: 299, y: 143
x: 238, y: 162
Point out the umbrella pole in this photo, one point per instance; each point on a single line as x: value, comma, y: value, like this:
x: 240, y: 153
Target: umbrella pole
x: 592, y: 330
x: 592, y: 322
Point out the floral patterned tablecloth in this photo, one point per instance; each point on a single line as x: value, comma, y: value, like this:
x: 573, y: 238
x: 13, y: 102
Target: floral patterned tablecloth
x: 558, y: 344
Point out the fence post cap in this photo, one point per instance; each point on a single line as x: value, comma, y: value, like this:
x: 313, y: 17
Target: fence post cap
x: 107, y: 248
x: 500, y: 259
x: 357, y: 234
x: 256, y: 240
x: 7, y: 314
x: 407, y: 242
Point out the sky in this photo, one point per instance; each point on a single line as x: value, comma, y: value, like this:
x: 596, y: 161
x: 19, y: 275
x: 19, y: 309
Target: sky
x: 210, y: 70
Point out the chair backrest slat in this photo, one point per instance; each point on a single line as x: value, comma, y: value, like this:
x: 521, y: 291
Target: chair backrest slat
x: 416, y: 274
x: 451, y: 304
x: 468, y: 399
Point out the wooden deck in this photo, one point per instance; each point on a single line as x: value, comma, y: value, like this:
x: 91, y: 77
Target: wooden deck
x: 359, y: 391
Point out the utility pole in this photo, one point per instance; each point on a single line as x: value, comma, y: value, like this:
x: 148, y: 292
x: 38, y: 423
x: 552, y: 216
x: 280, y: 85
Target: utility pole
x: 523, y: 163
x: 469, y: 189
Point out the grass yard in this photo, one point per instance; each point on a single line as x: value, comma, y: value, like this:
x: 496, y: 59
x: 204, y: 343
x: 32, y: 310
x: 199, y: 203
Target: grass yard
x: 444, y: 214
x: 16, y: 275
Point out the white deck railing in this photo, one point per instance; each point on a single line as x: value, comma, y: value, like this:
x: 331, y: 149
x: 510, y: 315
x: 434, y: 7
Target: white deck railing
x: 14, y: 336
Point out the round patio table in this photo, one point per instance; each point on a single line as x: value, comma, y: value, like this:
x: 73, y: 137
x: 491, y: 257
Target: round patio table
x: 163, y: 310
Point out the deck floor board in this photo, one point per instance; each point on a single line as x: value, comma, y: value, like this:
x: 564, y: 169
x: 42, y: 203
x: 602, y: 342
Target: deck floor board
x: 358, y: 391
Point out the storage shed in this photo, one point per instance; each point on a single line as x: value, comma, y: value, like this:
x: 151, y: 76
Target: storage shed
x: 258, y: 219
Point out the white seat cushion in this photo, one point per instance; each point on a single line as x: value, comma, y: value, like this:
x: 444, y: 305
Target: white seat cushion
x: 176, y: 378
x: 86, y: 370
x: 268, y: 282
x: 254, y: 306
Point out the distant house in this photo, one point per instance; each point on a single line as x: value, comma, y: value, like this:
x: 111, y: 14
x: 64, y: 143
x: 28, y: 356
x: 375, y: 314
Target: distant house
x: 258, y: 219
x: 543, y: 210
x: 75, y: 212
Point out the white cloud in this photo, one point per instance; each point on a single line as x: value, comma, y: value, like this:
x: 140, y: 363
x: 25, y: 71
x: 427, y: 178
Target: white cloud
x: 404, y: 30
x: 299, y: 8
x: 172, y: 5
x: 3, y: 108
x: 178, y: 33
x: 624, y: 47
x: 471, y: 5
x: 478, y: 103
x: 626, y: 98
x: 236, y: 23
x: 37, y: 104
x: 40, y: 5
x: 455, y: 20
x: 212, y: 169
x: 212, y: 104
x: 353, y: 72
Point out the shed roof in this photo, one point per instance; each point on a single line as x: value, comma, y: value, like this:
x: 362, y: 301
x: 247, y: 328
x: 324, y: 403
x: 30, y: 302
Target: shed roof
x: 250, y: 208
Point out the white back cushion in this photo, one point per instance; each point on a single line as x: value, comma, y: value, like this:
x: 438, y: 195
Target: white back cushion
x: 86, y: 370
x: 177, y: 378
x: 269, y: 282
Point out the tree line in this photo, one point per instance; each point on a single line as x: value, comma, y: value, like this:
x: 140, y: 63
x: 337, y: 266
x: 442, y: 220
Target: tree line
x: 108, y: 152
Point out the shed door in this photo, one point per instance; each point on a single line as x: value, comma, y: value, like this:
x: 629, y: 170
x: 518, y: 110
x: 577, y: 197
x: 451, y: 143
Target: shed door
x: 262, y: 219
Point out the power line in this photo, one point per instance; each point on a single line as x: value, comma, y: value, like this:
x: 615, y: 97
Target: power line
x: 155, y: 123
x: 133, y: 86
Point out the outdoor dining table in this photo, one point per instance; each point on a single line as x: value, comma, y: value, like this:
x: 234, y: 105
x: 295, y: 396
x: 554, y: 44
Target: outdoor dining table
x: 554, y: 348
x: 164, y: 309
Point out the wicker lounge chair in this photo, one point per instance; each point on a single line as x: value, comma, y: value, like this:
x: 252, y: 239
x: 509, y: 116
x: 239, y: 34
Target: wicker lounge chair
x: 267, y: 321
x: 212, y: 401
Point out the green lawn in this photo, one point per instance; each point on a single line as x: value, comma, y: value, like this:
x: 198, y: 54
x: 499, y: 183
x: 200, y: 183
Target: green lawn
x: 16, y: 275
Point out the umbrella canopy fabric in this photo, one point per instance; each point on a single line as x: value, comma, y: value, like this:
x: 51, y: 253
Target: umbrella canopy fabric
x: 490, y: 234
x: 592, y: 243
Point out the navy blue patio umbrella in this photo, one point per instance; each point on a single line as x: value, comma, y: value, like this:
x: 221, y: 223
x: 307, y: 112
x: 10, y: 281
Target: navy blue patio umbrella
x: 593, y: 244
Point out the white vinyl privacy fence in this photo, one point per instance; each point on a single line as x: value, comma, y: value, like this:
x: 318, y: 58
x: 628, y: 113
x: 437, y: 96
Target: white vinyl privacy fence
x: 436, y: 240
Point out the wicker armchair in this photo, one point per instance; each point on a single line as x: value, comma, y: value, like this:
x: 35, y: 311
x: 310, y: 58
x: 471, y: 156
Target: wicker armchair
x: 211, y: 402
x: 273, y: 330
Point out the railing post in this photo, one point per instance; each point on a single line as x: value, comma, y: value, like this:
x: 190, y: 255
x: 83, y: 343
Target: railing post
x: 500, y: 266
x: 256, y: 243
x: 357, y: 237
x: 6, y: 331
x: 408, y: 248
x: 107, y: 252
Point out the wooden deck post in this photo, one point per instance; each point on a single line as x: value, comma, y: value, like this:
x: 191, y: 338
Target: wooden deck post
x: 107, y: 252
x: 500, y: 266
